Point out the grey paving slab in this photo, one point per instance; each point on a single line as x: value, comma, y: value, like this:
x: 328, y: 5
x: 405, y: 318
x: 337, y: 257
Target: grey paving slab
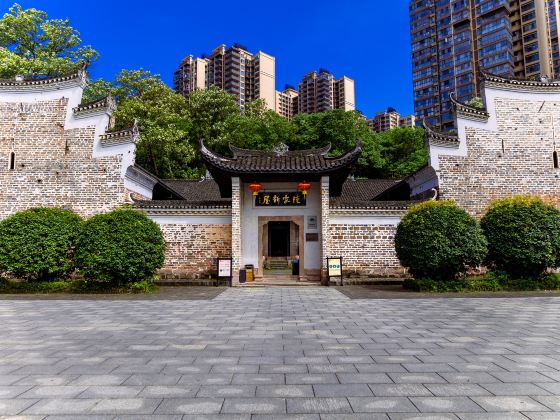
x: 282, y: 353
x: 11, y: 407
x: 126, y: 405
x: 318, y: 405
x: 422, y: 416
x: 254, y: 405
x: 382, y: 405
x: 355, y: 416
x: 342, y: 390
x: 517, y: 388
x: 283, y: 391
x: 446, y: 404
x: 190, y: 406
x: 509, y: 404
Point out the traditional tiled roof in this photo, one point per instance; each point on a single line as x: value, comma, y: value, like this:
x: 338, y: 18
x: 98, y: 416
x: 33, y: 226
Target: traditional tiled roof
x: 491, y: 80
x: 239, y: 152
x: 439, y: 139
x: 129, y: 135
x: 205, y: 194
x: 77, y: 77
x: 469, y: 112
x: 279, y: 164
x: 183, y: 204
x: 373, y: 205
x: 308, y: 162
x: 107, y: 103
x: 194, y: 191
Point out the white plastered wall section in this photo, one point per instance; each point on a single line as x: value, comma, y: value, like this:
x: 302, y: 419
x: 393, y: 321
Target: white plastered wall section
x: 491, y: 124
x: 250, y: 222
x: 363, y: 218
x: 73, y: 91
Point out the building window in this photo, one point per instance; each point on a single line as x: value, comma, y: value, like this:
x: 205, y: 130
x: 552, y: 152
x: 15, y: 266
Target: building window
x: 12, y: 161
x: 555, y: 159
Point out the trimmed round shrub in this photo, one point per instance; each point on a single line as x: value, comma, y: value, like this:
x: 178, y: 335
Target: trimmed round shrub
x: 440, y: 241
x: 37, y: 244
x: 523, y: 236
x: 120, y: 247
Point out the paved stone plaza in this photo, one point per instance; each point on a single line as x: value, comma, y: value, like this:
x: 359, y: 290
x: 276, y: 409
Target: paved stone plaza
x: 279, y: 353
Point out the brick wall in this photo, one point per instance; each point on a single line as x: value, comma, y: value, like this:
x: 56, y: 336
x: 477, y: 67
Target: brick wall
x: 54, y: 165
x: 516, y: 158
x: 366, y: 250
x: 192, y: 249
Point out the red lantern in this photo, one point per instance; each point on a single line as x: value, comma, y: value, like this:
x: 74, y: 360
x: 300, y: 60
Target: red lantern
x: 304, y: 187
x: 255, y: 187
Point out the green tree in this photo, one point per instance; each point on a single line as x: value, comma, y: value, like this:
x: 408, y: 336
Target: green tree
x: 209, y: 109
x: 120, y: 247
x: 342, y: 129
x: 523, y: 235
x: 403, y: 151
x: 33, y: 45
x: 165, y: 146
x: 475, y: 102
x: 256, y: 128
x: 439, y: 240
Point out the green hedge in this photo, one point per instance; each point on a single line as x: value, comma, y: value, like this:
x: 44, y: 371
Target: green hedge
x: 438, y: 240
x: 120, y: 247
x: 36, y: 244
x: 523, y: 236
x: 492, y: 282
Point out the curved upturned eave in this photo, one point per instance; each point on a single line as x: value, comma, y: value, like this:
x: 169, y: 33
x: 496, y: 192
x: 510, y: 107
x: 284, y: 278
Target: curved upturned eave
x: 519, y: 84
x: 223, y: 164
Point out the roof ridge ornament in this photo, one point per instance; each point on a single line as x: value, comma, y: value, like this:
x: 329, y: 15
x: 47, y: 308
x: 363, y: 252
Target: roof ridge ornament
x: 280, y: 149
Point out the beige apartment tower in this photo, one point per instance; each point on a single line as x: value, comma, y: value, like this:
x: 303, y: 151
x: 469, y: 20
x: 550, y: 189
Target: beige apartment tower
x: 245, y: 75
x: 287, y: 102
x: 320, y: 92
x: 390, y: 119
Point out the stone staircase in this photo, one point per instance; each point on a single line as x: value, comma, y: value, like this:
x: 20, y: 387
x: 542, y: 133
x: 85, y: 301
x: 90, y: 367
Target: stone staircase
x: 278, y: 265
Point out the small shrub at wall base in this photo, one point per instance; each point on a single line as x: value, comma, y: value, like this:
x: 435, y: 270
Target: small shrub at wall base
x: 523, y: 236
x: 492, y: 282
x: 120, y: 247
x: 440, y: 241
x: 37, y: 244
x: 76, y: 286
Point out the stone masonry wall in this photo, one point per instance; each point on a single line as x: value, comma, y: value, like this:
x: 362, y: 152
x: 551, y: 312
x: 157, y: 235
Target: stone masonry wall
x: 192, y: 250
x: 516, y: 159
x: 366, y: 250
x: 53, y: 166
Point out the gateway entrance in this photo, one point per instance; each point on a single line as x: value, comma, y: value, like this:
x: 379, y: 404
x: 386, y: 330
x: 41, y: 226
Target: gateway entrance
x: 279, y: 239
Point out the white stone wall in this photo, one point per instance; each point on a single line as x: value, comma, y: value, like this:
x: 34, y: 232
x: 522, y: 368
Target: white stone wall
x: 251, y: 213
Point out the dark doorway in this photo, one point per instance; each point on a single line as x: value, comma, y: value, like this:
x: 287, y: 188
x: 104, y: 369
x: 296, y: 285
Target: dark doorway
x: 278, y: 239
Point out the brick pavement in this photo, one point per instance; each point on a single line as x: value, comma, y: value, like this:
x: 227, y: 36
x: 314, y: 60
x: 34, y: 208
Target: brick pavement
x: 280, y: 353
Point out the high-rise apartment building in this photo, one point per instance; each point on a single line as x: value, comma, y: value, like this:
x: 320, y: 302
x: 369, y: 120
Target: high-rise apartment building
x: 320, y: 92
x: 390, y: 119
x: 287, y: 102
x: 245, y: 75
x: 452, y: 40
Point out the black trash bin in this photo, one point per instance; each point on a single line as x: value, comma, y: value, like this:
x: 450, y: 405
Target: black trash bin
x: 242, y: 275
x: 295, y: 268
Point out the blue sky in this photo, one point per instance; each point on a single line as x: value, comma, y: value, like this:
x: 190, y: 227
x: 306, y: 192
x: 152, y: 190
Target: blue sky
x: 367, y: 40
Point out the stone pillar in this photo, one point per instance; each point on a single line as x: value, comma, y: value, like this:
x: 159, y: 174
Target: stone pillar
x: 325, y: 237
x: 236, y: 206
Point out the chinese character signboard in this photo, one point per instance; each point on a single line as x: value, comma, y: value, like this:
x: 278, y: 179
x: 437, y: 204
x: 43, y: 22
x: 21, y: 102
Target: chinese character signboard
x: 279, y: 199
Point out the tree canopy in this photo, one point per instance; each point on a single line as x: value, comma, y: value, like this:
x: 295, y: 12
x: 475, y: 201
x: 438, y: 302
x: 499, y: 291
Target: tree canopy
x: 33, y: 45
